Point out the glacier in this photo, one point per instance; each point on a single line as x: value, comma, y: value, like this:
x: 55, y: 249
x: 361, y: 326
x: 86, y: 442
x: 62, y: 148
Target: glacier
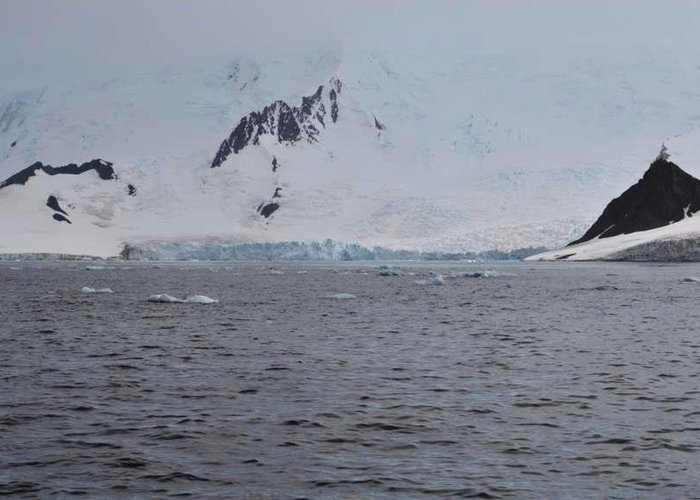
x: 387, y: 146
x: 326, y: 250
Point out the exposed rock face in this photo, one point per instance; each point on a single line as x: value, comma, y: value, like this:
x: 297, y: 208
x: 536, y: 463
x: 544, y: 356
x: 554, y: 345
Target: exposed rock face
x: 61, y: 218
x: 665, y: 194
x: 103, y: 168
x: 378, y: 125
x: 53, y: 204
x: 288, y: 124
x: 268, y: 209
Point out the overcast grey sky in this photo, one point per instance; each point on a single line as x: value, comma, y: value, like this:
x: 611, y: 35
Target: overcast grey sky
x: 53, y: 38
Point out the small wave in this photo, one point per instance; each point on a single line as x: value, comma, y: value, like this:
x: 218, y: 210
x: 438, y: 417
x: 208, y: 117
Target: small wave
x: 129, y: 463
x: 174, y: 476
x: 18, y: 488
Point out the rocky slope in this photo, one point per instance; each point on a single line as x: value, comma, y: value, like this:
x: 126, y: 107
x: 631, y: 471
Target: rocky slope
x: 664, y: 195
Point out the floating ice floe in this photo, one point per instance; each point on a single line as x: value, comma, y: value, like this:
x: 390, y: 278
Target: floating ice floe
x: 87, y: 289
x: 276, y: 271
x: 432, y: 280
x: 200, y: 299
x: 191, y: 299
x: 341, y: 296
x: 388, y: 271
x: 163, y: 297
x: 481, y: 274
x: 95, y: 268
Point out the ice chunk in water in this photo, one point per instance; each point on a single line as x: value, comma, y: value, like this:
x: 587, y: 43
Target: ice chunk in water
x: 200, y: 299
x: 388, y: 271
x: 432, y: 280
x: 487, y: 273
x: 341, y: 296
x: 87, y: 289
x: 191, y: 299
x: 163, y: 297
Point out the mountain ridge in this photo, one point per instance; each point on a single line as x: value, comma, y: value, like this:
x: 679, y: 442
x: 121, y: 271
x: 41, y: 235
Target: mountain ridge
x: 665, y: 194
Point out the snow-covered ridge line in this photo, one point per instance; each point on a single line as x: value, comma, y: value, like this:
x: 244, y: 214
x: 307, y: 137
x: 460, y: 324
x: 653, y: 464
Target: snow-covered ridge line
x: 327, y: 250
x: 103, y: 168
x: 651, y: 221
x: 664, y: 195
x: 289, y: 124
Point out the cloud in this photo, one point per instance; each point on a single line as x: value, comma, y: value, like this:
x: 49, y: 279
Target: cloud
x: 48, y: 40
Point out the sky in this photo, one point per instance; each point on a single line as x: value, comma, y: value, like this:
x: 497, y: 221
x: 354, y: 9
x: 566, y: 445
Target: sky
x: 56, y: 39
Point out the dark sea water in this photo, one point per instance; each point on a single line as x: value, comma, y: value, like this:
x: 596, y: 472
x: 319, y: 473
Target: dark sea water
x: 550, y: 381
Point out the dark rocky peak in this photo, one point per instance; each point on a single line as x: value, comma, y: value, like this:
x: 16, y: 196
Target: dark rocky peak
x: 52, y: 203
x: 377, y: 124
x: 267, y: 209
x: 61, y: 218
x: 665, y: 194
x: 103, y: 168
x: 287, y: 124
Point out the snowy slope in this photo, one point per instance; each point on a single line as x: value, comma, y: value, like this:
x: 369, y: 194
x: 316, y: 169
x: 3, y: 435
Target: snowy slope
x: 458, y: 154
x: 676, y: 241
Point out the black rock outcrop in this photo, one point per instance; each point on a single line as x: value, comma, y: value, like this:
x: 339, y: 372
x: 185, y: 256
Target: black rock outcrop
x: 288, y: 124
x: 103, y: 168
x: 665, y: 194
x: 61, y: 218
x: 268, y: 209
x: 53, y: 204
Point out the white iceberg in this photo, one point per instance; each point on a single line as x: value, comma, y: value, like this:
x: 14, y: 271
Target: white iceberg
x: 200, y: 299
x: 432, y: 280
x: 191, y: 299
x: 164, y: 297
x: 341, y: 296
x: 87, y: 289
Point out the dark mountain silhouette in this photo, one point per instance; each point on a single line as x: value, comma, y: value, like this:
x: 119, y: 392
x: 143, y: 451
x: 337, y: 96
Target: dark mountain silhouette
x: 665, y: 194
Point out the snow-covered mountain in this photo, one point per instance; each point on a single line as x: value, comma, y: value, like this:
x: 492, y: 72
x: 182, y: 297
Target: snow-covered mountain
x: 451, y: 154
x: 656, y: 219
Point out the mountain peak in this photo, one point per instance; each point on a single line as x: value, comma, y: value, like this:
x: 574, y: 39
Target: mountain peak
x: 288, y: 124
x: 665, y: 194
